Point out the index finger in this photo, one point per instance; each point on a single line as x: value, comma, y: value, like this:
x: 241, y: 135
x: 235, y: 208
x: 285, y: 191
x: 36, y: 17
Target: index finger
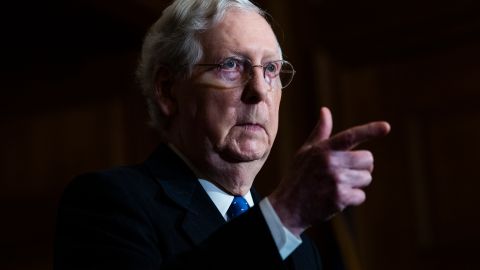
x: 354, y: 136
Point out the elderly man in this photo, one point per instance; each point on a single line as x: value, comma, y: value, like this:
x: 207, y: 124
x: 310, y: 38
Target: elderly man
x: 213, y: 73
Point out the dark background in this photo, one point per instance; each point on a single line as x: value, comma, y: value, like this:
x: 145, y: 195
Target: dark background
x: 69, y: 104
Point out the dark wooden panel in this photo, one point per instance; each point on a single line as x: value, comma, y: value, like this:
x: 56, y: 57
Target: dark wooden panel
x: 421, y: 209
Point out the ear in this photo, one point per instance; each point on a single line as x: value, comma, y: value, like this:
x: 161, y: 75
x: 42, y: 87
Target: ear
x: 163, y: 96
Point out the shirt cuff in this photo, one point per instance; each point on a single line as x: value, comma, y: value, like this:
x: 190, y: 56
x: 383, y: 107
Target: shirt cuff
x: 285, y: 240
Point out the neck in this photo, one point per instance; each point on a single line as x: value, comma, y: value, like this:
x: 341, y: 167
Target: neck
x: 235, y: 178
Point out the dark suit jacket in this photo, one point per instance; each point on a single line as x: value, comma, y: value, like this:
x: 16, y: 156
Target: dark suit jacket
x: 156, y: 215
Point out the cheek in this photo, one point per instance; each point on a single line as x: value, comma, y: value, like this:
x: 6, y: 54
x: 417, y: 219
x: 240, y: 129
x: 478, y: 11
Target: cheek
x: 274, y: 112
x: 220, y: 115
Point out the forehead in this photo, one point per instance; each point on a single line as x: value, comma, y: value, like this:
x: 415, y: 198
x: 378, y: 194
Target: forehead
x: 241, y: 32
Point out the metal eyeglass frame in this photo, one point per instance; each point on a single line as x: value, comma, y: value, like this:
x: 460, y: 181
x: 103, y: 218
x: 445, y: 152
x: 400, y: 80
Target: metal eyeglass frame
x: 251, y: 65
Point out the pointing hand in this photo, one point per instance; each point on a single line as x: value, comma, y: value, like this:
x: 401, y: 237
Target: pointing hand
x: 327, y: 175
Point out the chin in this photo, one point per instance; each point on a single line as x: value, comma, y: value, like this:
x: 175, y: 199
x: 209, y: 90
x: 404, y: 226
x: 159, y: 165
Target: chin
x: 246, y: 152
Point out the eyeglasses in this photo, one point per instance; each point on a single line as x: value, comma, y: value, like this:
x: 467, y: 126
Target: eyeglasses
x: 235, y: 72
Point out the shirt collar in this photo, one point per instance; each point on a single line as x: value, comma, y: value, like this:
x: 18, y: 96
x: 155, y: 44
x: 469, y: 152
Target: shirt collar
x: 220, y: 198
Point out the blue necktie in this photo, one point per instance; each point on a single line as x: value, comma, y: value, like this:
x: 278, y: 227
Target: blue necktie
x: 238, y: 207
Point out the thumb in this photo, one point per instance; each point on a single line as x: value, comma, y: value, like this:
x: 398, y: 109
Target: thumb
x: 323, y: 129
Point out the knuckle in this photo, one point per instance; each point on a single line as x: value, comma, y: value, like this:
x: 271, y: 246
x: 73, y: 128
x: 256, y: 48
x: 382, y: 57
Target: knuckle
x: 342, y: 159
x: 370, y: 168
x: 364, y: 178
x: 337, y: 175
x: 369, y: 156
x: 358, y: 197
x: 365, y: 155
x: 343, y: 193
x: 368, y: 178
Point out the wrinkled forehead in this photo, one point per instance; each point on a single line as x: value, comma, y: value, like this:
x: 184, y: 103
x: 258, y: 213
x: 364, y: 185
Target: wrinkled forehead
x: 243, y: 33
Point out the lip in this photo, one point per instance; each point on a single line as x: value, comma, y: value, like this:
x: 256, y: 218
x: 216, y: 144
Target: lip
x: 252, y: 126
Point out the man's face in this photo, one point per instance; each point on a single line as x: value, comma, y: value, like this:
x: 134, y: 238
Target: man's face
x: 236, y: 124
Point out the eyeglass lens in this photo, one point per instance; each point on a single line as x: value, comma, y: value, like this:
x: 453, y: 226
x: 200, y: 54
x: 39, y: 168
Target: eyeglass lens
x: 277, y: 71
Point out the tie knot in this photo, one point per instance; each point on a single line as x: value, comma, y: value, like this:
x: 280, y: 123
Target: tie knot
x: 238, y: 206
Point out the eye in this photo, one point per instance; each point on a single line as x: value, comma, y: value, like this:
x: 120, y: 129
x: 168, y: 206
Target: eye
x: 272, y: 68
x: 231, y: 64
x: 231, y: 70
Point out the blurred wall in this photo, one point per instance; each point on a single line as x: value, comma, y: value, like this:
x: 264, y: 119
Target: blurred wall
x: 69, y: 104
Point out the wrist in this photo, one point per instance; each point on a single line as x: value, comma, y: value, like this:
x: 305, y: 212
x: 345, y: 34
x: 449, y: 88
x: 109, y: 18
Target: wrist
x: 287, y: 214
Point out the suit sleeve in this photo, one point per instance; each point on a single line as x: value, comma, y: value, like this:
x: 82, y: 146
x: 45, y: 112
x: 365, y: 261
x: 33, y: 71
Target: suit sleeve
x: 100, y: 226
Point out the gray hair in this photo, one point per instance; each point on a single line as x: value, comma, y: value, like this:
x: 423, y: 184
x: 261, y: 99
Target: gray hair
x: 173, y: 42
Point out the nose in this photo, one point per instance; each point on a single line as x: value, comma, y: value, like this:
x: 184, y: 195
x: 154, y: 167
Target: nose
x: 256, y: 88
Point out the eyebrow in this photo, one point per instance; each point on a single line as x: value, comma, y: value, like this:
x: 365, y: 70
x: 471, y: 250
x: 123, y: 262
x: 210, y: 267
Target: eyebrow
x: 269, y: 56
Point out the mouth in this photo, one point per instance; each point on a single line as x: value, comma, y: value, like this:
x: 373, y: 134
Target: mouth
x: 254, y: 127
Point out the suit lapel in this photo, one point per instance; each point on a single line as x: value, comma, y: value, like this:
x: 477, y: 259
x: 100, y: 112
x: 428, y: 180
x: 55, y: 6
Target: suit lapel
x: 182, y: 187
x: 200, y: 223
